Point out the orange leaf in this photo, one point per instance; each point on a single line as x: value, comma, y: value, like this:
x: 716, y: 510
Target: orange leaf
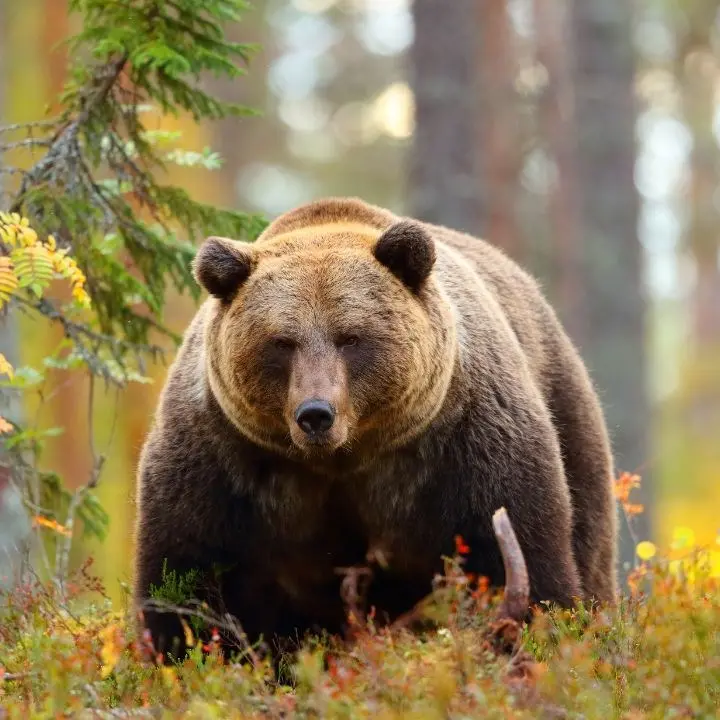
x: 52, y: 525
x: 5, y: 426
x: 633, y: 509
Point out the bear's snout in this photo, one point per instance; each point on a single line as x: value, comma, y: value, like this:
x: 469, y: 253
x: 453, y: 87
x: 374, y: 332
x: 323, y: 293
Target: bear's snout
x: 315, y: 417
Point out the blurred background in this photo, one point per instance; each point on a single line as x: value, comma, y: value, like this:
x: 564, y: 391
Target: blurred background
x: 580, y: 136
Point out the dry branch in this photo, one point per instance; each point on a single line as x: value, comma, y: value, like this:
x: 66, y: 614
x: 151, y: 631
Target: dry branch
x: 517, y: 587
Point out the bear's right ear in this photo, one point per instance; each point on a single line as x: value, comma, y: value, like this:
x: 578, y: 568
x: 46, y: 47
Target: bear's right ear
x: 222, y: 265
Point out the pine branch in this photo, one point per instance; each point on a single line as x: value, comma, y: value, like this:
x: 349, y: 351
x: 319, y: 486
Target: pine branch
x: 142, y: 51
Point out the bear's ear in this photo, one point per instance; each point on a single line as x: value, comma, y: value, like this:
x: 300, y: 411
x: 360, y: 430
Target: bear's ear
x: 222, y: 265
x: 408, y: 251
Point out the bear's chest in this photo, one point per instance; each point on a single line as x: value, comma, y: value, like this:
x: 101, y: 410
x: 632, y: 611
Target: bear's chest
x: 315, y: 525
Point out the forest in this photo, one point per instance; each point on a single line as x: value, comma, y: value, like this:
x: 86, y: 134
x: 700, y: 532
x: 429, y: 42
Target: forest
x: 581, y: 138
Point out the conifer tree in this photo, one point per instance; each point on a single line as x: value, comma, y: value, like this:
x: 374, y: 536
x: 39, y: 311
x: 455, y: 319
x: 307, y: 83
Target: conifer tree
x: 91, y: 208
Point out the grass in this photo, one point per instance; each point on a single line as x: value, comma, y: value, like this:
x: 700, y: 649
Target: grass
x: 655, y: 655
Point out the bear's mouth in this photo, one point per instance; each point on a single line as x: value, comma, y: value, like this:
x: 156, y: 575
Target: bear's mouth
x: 319, y: 444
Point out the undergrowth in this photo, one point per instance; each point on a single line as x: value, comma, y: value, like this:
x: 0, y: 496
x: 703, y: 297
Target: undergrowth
x: 655, y: 655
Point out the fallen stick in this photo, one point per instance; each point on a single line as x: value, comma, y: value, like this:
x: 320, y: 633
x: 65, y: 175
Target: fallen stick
x: 517, y: 586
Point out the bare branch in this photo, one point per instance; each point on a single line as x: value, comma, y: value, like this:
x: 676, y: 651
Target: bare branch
x: 28, y: 125
x: 27, y: 142
x: 64, y: 141
x: 83, y: 337
x: 9, y: 677
x: 515, y: 604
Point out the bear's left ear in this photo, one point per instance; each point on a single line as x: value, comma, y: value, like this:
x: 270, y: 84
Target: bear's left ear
x: 222, y: 265
x: 408, y: 251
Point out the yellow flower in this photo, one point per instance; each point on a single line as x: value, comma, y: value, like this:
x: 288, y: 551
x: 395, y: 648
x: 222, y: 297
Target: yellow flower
x: 645, y: 550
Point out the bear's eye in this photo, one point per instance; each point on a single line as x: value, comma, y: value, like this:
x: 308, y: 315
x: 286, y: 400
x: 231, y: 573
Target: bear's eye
x: 283, y: 343
x: 346, y: 341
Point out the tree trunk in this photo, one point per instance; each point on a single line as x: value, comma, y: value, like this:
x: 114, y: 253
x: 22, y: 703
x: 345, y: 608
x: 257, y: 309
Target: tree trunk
x: 499, y: 114
x: 445, y: 183
x: 611, y: 331
x: 557, y: 120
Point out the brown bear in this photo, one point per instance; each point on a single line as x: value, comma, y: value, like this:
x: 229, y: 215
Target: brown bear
x: 359, y: 381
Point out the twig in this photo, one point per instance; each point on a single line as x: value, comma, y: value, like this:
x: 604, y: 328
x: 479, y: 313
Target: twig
x: 9, y: 677
x: 67, y: 136
x: 28, y: 142
x: 82, y: 336
x: 517, y: 587
x: 28, y: 125
x: 227, y: 623
x: 353, y: 591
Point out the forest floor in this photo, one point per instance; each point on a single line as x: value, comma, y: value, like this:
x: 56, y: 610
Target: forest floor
x: 655, y: 655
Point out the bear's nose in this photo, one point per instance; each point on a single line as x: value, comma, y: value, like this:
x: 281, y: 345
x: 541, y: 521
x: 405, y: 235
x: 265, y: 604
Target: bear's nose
x: 315, y: 416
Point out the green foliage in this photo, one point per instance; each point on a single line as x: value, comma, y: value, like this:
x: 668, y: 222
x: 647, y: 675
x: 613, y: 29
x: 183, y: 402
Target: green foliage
x: 176, y: 588
x: 97, y: 188
x: 93, y: 210
x: 653, y: 656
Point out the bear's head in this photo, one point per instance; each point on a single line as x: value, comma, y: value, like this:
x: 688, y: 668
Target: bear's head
x: 327, y: 336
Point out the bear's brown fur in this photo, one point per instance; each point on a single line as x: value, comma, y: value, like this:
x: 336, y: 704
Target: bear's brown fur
x: 454, y: 389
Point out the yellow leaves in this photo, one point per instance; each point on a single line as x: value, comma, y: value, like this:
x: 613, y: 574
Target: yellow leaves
x: 8, y: 279
x: 33, y: 267
x: 33, y: 264
x: 15, y: 231
x: 646, y: 550
x: 189, y: 637
x: 42, y: 521
x: 5, y: 367
x: 113, y: 644
x: 689, y: 559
